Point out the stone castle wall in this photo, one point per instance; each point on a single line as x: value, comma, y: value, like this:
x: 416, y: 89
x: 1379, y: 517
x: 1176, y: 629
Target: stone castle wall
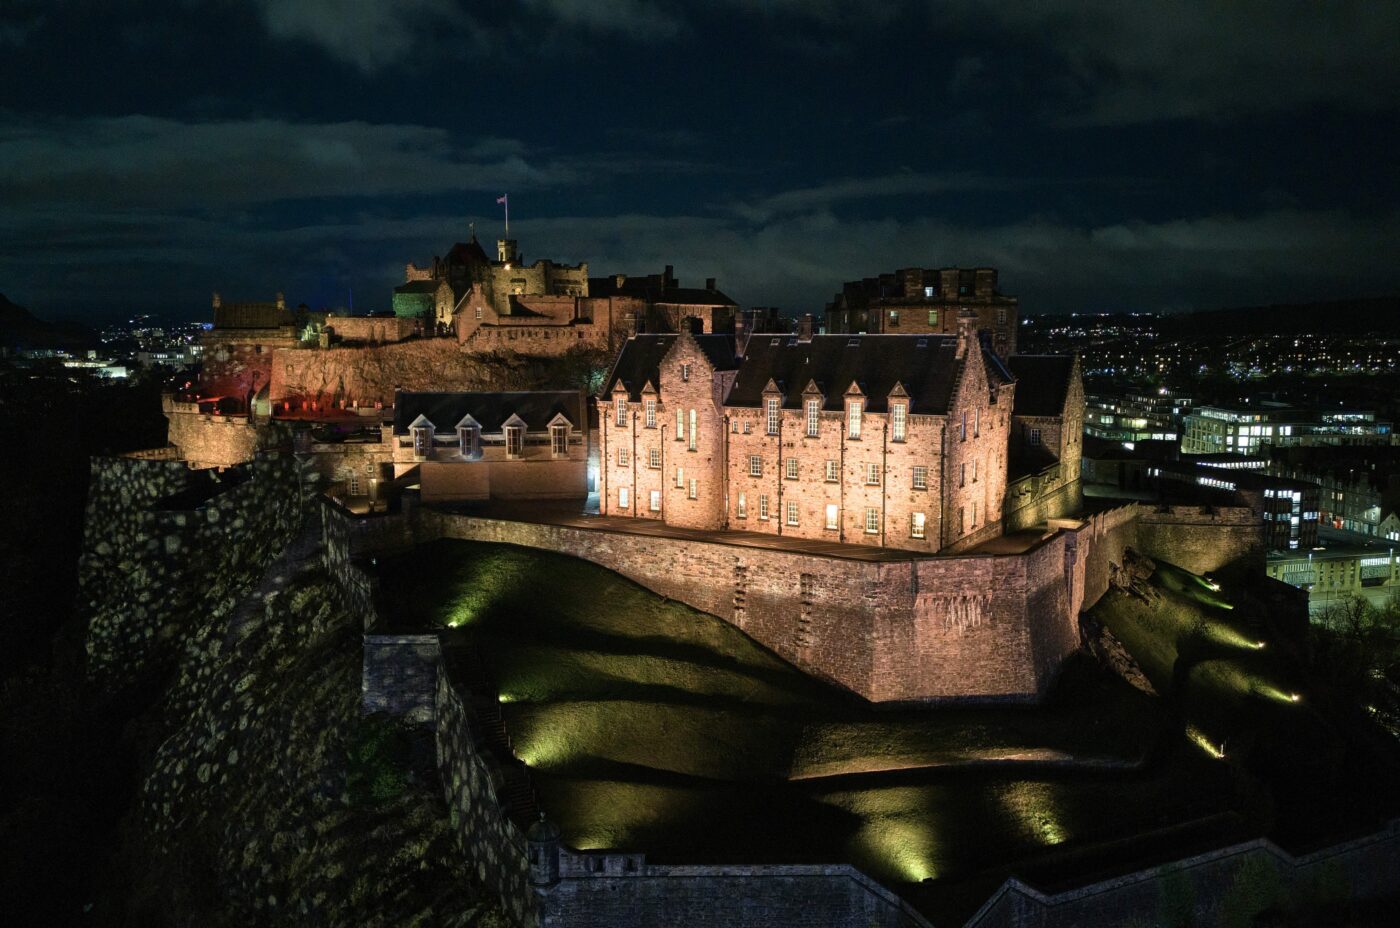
x: 1205, y: 539
x: 205, y: 440
x: 164, y: 542
x: 963, y: 627
x: 1036, y: 498
x: 1207, y: 887
x: 382, y: 329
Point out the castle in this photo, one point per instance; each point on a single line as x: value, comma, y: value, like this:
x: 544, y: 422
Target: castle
x: 899, y: 441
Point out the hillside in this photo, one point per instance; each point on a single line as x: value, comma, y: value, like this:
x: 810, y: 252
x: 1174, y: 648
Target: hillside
x: 19, y: 328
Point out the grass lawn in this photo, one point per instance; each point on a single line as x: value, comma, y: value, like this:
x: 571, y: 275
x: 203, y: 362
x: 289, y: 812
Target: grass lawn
x: 651, y: 726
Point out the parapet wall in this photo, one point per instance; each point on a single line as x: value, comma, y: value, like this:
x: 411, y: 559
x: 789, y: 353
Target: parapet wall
x: 1205, y: 539
x: 206, y: 440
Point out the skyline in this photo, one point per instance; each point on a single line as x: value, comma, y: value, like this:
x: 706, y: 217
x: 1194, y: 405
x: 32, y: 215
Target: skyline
x: 1104, y: 157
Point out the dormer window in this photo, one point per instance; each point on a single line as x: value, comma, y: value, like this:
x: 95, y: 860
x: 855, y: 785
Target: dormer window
x: 771, y: 407
x: 422, y: 432
x: 649, y: 405
x: 515, y: 441
x: 469, y: 438
x: 620, y: 407
x: 899, y: 416
x: 559, y: 440
x: 853, y: 412
x: 813, y: 417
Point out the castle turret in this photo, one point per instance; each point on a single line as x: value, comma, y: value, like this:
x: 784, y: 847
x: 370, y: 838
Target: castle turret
x: 542, y: 844
x: 967, y: 329
x: 508, y: 250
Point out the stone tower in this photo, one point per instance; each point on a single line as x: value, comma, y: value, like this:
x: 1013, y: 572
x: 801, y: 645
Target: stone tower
x: 542, y: 841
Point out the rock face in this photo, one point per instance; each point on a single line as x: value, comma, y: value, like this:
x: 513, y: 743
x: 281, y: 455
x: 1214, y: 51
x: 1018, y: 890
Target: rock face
x: 1105, y: 646
x: 367, y: 375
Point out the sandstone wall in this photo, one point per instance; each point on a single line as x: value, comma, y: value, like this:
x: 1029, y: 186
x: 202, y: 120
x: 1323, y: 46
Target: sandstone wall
x: 1032, y: 500
x: 976, y: 627
x: 209, y: 440
x: 1204, y: 539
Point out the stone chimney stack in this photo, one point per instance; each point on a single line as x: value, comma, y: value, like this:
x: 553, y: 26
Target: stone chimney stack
x: 804, y: 328
x: 967, y: 330
x: 709, y: 283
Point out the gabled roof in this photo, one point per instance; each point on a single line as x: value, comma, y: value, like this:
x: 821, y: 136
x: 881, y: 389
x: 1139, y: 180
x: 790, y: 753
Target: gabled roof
x: 1042, y: 383
x: 491, y: 410
x: 639, y: 362
x: 418, y: 286
x: 925, y: 365
x: 692, y: 296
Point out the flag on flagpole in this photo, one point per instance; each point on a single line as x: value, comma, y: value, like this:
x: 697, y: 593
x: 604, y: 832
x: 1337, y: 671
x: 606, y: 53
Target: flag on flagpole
x: 501, y: 200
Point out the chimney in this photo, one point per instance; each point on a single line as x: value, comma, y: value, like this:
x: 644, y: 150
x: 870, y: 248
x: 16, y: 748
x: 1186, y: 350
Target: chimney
x: 804, y: 328
x: 741, y: 331
x: 217, y: 302
x: 281, y: 301
x: 619, y: 280
x: 668, y: 279
x: 967, y: 329
x: 709, y: 283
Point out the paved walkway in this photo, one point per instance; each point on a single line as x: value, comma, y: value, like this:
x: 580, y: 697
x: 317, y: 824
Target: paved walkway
x: 575, y: 515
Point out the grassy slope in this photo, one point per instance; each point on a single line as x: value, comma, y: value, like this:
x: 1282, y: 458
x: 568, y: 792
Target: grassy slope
x: 650, y: 725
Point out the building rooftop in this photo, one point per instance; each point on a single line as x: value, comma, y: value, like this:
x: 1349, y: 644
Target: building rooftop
x: 1042, y: 383
x: 490, y: 410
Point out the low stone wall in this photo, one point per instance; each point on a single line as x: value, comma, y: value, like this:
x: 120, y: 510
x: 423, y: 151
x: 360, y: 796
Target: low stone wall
x: 1204, y: 539
x: 621, y: 891
x: 1036, y: 498
x: 212, y: 441
x: 1226, y: 886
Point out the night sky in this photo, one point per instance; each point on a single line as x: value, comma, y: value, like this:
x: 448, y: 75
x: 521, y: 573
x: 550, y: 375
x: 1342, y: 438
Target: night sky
x: 1104, y: 154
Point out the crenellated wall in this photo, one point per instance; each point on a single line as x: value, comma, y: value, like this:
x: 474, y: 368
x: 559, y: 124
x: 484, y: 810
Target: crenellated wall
x: 1205, y: 539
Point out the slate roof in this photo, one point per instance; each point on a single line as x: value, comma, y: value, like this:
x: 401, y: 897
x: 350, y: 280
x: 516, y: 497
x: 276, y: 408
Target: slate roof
x: 926, y: 366
x: 640, y: 360
x: 1042, y: 383
x: 491, y: 410
x: 693, y: 296
x: 468, y: 253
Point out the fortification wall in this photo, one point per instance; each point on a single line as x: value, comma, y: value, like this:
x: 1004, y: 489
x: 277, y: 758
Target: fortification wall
x: 1204, y: 539
x: 1036, y: 498
x: 382, y: 329
x: 164, y: 544
x: 1227, y: 886
x: 965, y: 627
x: 208, y: 440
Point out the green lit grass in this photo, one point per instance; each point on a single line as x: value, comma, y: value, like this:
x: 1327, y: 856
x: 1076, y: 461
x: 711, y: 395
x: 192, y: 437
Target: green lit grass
x: 651, y: 726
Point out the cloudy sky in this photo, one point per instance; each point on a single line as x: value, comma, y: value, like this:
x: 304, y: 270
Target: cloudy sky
x: 1104, y: 154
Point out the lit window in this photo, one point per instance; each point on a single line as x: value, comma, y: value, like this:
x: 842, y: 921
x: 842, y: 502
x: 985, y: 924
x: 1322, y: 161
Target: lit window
x: 932, y: 313
x: 650, y: 412
x: 771, y: 407
x: 655, y: 500
x: 916, y: 525
x: 898, y: 417
x: 832, y: 514
x: 755, y: 466
x: 791, y: 465
x: 743, y: 512
x: 872, y: 521
x: 694, y: 489
x: 833, y: 472
x: 853, y: 420
x: 894, y: 317
x: 621, y: 406
x: 920, y: 477
x: 763, y: 506
x: 813, y: 417
x: 928, y: 292
x: 791, y: 513
x: 693, y: 430
x: 422, y: 442
x: 872, y: 475
x: 624, y: 497
x: 515, y: 441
